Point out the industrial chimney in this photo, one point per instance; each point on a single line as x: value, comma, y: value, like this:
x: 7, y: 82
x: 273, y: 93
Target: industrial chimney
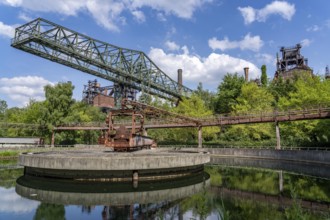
x: 246, y: 73
x: 180, y: 79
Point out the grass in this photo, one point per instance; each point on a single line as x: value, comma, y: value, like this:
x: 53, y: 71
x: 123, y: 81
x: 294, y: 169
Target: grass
x: 9, y: 153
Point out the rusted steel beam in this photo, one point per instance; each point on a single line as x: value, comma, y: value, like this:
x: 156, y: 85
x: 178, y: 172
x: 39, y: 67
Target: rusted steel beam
x: 221, y: 120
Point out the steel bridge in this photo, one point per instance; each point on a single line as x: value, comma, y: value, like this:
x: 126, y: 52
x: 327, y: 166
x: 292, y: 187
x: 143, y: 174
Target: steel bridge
x: 128, y: 69
x: 178, y: 121
x: 215, y: 120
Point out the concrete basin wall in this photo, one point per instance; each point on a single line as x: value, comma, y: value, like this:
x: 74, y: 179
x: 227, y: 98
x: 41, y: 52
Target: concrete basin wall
x: 310, y: 156
x: 100, y: 165
x: 96, y: 160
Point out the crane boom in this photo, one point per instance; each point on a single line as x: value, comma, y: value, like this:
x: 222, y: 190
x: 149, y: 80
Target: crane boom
x: 131, y: 69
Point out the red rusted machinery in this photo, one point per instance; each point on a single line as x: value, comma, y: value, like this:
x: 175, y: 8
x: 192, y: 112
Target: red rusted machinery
x: 121, y: 138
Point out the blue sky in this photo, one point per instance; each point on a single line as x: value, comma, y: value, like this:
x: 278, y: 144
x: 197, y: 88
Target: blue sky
x: 206, y: 38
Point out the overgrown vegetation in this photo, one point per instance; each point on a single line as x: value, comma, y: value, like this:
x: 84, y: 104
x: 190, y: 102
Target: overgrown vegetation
x: 9, y: 153
x: 58, y: 108
x: 233, y: 97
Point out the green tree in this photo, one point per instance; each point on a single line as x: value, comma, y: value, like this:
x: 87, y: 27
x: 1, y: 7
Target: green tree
x: 57, y: 105
x: 14, y: 115
x: 81, y: 112
x: 228, y: 91
x: 207, y: 96
x: 252, y: 100
x: 47, y: 211
x: 264, y: 80
x: 58, y: 102
x: 195, y: 107
x: 3, y: 108
x: 308, y: 92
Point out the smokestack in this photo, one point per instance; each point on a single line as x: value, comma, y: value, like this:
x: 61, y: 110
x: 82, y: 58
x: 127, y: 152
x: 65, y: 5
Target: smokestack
x: 180, y: 79
x: 180, y: 76
x: 246, y: 73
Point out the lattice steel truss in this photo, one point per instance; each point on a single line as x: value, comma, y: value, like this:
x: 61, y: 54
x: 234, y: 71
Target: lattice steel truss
x: 129, y: 68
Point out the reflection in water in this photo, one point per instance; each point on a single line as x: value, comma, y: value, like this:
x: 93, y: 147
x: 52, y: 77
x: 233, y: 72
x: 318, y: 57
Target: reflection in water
x: 312, y: 169
x: 280, y: 180
x: 235, y: 193
x: 69, y: 192
x: 257, y: 189
x: 9, y: 197
x: 119, y: 200
x: 49, y: 212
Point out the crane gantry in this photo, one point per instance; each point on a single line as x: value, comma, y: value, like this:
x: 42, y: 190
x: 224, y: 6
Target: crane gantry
x: 131, y: 71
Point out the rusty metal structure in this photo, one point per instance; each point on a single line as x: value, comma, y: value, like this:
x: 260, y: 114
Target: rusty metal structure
x: 131, y: 71
x: 327, y: 72
x: 311, y: 113
x: 291, y: 63
x: 94, y: 94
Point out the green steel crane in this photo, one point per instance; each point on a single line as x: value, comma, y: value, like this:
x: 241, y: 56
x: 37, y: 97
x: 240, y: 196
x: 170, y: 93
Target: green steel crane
x: 130, y: 70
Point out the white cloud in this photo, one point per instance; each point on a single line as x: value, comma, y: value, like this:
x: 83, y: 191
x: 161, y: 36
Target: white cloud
x: 10, y: 202
x: 23, y: 88
x: 265, y: 58
x: 209, y: 70
x: 109, y: 13
x: 139, y: 16
x: 313, y: 28
x: 161, y: 17
x: 305, y: 42
x: 172, y: 46
x: 106, y: 13
x: 7, y: 30
x: 181, y: 9
x: 12, y: 2
x: 282, y: 8
x: 249, y: 42
x: 248, y: 13
x: 24, y: 17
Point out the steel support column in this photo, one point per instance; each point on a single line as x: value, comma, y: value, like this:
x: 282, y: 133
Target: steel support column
x: 200, y: 138
x: 280, y: 180
x: 278, y: 136
x: 53, y: 139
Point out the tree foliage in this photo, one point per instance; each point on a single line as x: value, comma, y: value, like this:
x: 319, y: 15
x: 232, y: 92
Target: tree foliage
x: 228, y: 91
x: 264, y: 79
x: 58, y: 102
x: 3, y: 108
x: 234, y: 97
x: 308, y: 92
x: 207, y: 97
x: 252, y: 100
x: 58, y: 108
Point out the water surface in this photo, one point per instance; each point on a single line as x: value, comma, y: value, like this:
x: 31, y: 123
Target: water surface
x: 230, y: 193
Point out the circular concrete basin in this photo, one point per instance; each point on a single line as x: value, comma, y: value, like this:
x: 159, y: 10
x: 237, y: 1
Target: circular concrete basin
x: 109, y: 165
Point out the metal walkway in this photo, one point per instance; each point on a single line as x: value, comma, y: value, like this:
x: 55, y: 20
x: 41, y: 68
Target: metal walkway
x: 217, y: 120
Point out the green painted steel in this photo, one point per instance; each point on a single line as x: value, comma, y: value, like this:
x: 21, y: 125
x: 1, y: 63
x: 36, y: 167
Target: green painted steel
x: 129, y: 68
